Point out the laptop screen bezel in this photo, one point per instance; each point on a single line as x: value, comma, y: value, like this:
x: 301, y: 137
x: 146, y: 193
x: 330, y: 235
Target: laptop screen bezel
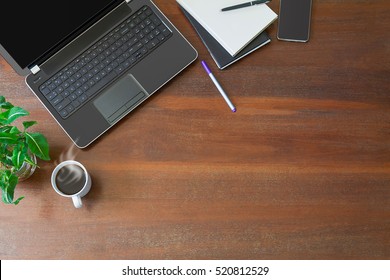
x: 39, y: 60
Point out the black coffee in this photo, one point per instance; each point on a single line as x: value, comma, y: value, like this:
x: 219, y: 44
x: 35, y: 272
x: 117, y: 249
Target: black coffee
x: 70, y: 179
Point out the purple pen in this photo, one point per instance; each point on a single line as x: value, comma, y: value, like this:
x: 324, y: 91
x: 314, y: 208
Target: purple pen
x: 206, y: 67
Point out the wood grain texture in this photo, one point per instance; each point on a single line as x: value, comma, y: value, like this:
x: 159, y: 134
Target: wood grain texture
x: 301, y: 171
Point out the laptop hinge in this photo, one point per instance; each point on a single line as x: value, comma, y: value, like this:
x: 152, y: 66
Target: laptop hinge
x: 35, y: 69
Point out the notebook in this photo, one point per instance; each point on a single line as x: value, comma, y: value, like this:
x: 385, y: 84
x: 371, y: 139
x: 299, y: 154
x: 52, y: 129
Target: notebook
x: 92, y: 62
x: 235, y: 29
x: 220, y: 56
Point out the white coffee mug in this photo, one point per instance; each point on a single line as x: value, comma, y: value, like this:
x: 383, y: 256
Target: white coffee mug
x: 71, y: 179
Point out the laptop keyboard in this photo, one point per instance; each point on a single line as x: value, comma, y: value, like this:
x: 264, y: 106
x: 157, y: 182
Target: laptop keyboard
x: 118, y: 51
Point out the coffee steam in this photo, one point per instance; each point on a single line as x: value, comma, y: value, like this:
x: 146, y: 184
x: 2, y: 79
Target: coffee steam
x: 71, y: 178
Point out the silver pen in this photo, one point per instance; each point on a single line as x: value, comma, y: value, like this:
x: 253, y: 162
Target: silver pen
x: 216, y: 83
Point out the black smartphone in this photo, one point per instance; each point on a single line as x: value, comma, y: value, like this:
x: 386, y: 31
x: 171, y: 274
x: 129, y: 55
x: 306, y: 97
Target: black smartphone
x: 294, y: 20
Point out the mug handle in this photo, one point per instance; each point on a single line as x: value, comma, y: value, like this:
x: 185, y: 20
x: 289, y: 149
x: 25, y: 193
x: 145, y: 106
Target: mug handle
x: 77, y: 201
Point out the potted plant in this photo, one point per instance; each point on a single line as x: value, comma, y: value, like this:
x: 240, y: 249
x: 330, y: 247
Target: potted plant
x: 18, y: 149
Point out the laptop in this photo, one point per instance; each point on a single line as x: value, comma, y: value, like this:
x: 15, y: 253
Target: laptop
x: 92, y: 62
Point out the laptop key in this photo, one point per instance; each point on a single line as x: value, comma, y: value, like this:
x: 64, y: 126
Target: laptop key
x: 57, y: 100
x: 99, y: 85
x: 51, y: 95
x: 83, y: 98
x: 63, y: 104
x: 75, y: 104
x: 64, y: 113
x: 44, y: 90
x: 70, y: 108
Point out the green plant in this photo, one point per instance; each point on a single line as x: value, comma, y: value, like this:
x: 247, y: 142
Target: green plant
x: 16, y: 148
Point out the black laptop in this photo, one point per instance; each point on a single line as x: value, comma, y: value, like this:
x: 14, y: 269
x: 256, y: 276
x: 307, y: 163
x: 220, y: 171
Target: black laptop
x: 91, y: 62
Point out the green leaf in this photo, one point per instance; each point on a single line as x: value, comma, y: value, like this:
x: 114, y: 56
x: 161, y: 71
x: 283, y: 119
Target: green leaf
x: 6, y: 129
x: 8, y: 138
x: 30, y: 161
x: 8, y: 184
x: 12, y: 114
x: 18, y: 156
x: 4, y: 104
x: 5, y: 156
x: 14, y: 130
x: 37, y: 143
x: 16, y: 202
x: 28, y: 124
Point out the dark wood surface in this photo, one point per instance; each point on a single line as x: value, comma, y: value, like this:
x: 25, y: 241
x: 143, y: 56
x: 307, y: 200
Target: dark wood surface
x: 301, y: 171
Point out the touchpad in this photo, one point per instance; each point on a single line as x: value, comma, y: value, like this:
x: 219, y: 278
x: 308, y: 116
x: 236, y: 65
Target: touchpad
x: 120, y: 98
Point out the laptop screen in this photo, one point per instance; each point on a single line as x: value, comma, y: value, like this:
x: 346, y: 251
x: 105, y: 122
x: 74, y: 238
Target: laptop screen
x: 31, y: 29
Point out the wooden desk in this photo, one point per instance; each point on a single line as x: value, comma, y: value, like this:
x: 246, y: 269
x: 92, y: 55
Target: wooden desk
x: 301, y: 171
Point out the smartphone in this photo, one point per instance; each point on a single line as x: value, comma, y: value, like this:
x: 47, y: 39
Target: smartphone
x: 294, y: 20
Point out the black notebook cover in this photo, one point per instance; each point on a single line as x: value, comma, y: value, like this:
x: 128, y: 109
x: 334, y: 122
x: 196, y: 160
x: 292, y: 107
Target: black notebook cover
x: 221, y: 57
